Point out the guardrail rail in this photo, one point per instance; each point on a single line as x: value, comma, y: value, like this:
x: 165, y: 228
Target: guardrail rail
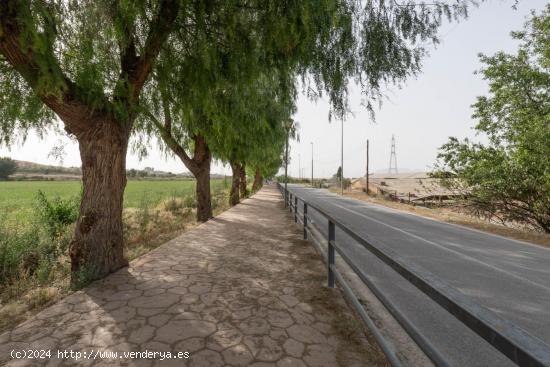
x: 515, y: 343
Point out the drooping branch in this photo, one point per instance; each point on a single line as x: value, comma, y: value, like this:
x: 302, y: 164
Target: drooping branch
x: 159, y: 30
x: 169, y: 139
x: 41, y: 70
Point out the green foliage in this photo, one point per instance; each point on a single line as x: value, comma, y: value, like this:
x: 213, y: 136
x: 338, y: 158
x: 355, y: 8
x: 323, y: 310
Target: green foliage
x: 20, y: 108
x: 234, y: 75
x: 338, y: 174
x: 7, y: 167
x: 509, y: 176
x: 57, y: 213
x: 189, y: 201
x: 281, y: 179
x: 30, y: 252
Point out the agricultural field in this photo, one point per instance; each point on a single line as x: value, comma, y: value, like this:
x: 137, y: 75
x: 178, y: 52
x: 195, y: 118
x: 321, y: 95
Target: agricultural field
x: 37, y: 224
x: 18, y: 198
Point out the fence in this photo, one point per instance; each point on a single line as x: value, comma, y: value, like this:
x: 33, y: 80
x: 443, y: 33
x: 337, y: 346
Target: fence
x: 519, y: 346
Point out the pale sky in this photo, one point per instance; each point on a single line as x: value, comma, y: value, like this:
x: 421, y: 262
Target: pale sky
x: 422, y: 114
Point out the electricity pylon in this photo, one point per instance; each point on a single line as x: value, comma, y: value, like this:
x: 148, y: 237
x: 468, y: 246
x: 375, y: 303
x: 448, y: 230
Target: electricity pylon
x: 393, y: 157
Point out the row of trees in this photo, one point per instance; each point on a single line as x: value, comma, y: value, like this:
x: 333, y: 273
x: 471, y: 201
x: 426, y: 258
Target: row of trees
x: 207, y: 79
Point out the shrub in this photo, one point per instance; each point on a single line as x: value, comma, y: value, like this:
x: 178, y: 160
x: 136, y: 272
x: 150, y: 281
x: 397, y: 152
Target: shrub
x: 7, y: 167
x: 173, y: 205
x: 25, y: 253
x: 189, y: 201
x: 56, y: 214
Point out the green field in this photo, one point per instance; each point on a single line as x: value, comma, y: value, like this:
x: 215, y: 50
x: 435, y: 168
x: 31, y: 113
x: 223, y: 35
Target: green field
x: 17, y: 198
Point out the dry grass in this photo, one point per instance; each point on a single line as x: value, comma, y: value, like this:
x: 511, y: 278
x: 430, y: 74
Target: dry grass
x: 360, y: 344
x: 35, y: 300
x: 454, y: 216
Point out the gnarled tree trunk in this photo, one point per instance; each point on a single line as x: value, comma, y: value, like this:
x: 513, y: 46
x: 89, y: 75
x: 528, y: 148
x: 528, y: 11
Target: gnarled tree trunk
x: 235, y: 183
x: 201, y: 170
x: 258, y: 181
x: 198, y: 164
x: 242, y: 181
x: 97, y: 248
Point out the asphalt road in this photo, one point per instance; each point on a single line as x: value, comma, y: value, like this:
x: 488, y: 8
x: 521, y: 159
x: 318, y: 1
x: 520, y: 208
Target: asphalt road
x: 509, y: 277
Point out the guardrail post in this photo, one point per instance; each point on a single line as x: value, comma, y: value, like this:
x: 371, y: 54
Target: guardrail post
x: 295, y: 209
x: 305, y: 220
x: 290, y: 202
x: 330, y: 262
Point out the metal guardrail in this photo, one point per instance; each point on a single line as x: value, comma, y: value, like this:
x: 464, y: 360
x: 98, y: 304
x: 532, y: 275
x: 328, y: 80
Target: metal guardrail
x: 515, y: 343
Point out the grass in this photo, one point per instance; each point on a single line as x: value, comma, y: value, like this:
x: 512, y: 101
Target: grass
x: 36, y: 229
x: 17, y: 197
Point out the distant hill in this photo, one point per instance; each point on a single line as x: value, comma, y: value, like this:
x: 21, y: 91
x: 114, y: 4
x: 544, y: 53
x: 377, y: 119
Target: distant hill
x: 36, y: 171
x: 26, y: 167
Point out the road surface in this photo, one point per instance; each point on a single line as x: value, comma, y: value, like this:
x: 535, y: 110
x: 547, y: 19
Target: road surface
x: 509, y: 277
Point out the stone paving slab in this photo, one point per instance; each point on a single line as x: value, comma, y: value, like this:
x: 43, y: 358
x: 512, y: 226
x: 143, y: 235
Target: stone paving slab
x: 240, y: 290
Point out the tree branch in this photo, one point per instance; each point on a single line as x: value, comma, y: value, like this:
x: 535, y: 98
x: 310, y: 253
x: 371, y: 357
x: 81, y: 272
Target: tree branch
x: 171, y: 141
x: 39, y: 67
x: 166, y: 109
x: 159, y: 30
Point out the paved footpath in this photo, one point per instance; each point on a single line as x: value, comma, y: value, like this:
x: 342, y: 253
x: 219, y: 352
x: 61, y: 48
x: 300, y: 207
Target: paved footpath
x: 240, y: 290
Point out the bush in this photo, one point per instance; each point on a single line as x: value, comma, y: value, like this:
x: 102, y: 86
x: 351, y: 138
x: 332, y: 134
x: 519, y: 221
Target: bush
x: 57, y: 213
x: 173, y: 205
x: 7, y: 167
x: 26, y: 254
x: 30, y: 255
x: 189, y: 201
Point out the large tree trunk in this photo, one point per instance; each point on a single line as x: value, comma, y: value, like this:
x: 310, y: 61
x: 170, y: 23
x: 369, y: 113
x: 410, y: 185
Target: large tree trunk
x: 199, y: 165
x: 234, y: 194
x: 204, y: 196
x: 97, y: 248
x: 258, y: 180
x: 242, y: 181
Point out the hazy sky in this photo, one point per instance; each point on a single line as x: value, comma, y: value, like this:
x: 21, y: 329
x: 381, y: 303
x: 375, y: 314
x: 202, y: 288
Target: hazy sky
x: 422, y: 114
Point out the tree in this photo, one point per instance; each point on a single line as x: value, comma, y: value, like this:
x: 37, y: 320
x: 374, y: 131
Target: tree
x: 338, y: 174
x: 261, y: 133
x: 266, y: 165
x: 258, y: 180
x: 509, y: 176
x: 216, y: 127
x: 87, y: 62
x: 7, y: 167
x: 325, y: 43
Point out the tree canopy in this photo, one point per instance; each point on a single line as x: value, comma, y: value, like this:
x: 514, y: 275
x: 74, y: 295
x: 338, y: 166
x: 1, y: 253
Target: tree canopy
x: 7, y: 167
x: 90, y: 64
x: 509, y: 176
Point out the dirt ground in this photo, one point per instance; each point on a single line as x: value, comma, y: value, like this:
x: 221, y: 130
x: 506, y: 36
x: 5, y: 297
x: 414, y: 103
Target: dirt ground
x: 240, y: 290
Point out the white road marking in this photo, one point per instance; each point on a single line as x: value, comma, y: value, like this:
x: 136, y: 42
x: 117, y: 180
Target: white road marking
x: 467, y: 257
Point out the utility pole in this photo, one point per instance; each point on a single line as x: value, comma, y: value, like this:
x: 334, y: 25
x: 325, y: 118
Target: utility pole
x: 311, y: 164
x: 342, y: 161
x: 299, y: 168
x: 367, y: 173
